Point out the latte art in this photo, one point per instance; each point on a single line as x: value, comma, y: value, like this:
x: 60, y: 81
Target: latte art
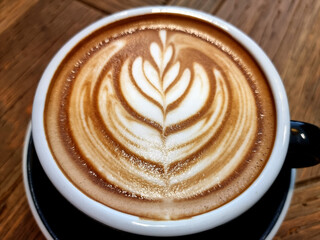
x: 158, y: 119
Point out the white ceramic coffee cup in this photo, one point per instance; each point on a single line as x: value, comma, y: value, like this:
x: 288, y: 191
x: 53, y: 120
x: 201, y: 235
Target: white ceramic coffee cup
x: 195, y: 224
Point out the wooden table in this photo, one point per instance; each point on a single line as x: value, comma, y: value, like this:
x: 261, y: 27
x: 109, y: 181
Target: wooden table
x: 31, y: 31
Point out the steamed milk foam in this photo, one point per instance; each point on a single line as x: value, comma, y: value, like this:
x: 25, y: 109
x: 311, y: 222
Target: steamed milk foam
x: 161, y: 116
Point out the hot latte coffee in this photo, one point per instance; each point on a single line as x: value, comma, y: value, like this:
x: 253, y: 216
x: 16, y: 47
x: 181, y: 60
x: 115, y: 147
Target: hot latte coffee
x: 160, y: 116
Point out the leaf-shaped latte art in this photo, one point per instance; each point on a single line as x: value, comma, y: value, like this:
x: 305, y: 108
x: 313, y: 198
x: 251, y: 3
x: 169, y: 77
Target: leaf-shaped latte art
x: 168, y: 113
x: 168, y: 117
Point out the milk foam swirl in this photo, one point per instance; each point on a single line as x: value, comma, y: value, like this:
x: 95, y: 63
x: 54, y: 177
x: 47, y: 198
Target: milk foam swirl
x: 170, y: 116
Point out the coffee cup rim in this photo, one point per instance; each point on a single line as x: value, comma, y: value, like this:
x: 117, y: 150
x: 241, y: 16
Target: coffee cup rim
x: 134, y: 224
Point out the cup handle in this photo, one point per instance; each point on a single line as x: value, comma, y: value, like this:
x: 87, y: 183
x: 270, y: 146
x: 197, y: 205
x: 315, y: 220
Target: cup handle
x: 304, y: 146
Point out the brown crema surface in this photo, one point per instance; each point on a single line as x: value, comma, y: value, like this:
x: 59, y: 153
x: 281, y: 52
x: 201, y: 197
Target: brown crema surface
x: 161, y: 116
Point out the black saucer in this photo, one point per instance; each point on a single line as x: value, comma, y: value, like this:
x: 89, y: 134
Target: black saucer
x: 58, y: 219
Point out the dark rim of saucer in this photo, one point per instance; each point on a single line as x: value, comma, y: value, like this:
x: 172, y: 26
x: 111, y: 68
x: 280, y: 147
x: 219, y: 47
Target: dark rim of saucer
x: 64, y: 221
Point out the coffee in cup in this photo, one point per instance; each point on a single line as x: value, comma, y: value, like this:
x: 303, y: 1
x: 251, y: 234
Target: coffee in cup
x: 162, y: 116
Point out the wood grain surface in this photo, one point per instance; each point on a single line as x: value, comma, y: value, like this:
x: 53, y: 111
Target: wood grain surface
x: 32, y: 31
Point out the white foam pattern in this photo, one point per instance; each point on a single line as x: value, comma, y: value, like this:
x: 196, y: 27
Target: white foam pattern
x: 163, y: 117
